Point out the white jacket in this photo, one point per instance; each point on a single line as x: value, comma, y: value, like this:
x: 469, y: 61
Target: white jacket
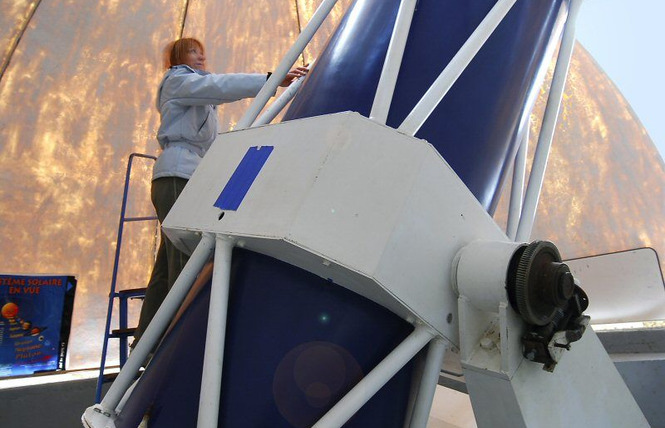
x: 186, y: 101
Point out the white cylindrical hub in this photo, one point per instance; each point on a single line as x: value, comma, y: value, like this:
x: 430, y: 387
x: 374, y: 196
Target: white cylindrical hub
x: 480, y: 272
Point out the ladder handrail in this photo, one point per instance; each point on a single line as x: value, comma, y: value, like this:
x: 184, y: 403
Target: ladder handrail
x: 116, y: 261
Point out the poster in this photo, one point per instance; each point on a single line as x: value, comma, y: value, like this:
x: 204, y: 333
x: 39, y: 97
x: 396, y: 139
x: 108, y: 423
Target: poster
x: 35, y: 320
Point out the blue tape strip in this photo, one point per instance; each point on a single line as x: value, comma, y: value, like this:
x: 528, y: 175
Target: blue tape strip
x: 243, y: 177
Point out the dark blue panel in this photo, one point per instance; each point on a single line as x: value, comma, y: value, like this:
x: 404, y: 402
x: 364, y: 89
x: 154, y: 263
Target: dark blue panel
x: 295, y: 344
x: 243, y: 177
x: 474, y: 127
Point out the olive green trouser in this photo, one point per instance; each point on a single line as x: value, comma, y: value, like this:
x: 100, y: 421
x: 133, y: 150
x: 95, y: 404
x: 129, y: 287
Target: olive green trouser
x: 169, y: 261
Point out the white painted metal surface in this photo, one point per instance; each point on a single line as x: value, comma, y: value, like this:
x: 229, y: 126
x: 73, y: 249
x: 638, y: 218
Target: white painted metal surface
x: 585, y: 390
x: 623, y: 287
x: 509, y: 391
x: 386, y: 87
x: 382, y: 214
x: 96, y: 417
x: 213, y: 357
x: 537, y: 174
x: 348, y: 199
x: 455, y: 67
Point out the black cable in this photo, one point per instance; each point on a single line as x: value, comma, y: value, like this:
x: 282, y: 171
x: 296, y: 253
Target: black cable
x: 184, y: 19
x: 17, y: 39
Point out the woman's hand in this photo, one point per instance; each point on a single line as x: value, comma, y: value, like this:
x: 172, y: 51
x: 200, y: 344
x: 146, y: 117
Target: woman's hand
x: 294, y: 74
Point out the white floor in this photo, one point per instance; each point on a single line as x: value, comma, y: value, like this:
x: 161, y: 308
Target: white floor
x: 451, y: 409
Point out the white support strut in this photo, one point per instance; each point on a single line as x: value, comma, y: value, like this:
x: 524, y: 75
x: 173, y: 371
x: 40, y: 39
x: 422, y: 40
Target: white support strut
x: 285, y: 65
x: 159, y: 323
x: 429, y: 380
x: 517, y: 188
x: 537, y: 174
x: 277, y: 106
x: 379, y: 376
x: 213, y: 360
x: 421, y: 112
x: 393, y: 61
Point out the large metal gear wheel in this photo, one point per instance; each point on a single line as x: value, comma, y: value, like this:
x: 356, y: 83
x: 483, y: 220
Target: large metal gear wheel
x: 543, y: 284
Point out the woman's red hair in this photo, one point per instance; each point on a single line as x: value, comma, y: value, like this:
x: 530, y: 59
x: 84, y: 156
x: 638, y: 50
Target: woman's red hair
x: 176, y: 52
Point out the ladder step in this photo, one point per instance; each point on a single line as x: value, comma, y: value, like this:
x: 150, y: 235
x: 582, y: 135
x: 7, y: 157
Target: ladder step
x: 123, y: 332
x: 132, y: 292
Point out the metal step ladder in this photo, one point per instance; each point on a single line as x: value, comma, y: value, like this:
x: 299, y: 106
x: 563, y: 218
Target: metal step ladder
x: 123, y: 332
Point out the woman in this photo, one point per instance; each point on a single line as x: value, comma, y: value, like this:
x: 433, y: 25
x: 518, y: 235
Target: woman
x: 187, y: 100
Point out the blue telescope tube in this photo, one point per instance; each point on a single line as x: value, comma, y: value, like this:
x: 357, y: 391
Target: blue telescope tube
x: 296, y: 343
x: 476, y: 125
